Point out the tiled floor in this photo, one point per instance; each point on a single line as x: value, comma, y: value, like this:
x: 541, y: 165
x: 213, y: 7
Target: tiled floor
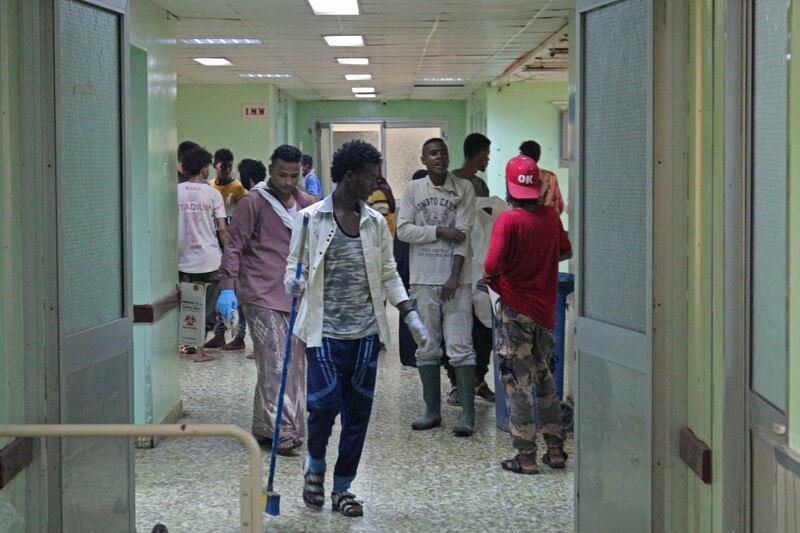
x: 410, y: 481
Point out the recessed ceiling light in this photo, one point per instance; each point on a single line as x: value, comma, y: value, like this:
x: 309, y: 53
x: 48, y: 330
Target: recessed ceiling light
x: 372, y: 95
x: 363, y: 89
x: 344, y: 40
x: 255, y: 75
x: 334, y: 7
x: 443, y: 79
x: 357, y: 77
x: 353, y: 60
x: 213, y: 61
x: 220, y: 41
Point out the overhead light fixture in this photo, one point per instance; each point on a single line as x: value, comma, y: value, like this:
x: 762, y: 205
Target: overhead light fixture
x: 443, y: 79
x: 213, y: 61
x: 371, y: 95
x: 344, y: 40
x: 334, y: 7
x: 220, y: 41
x: 255, y: 75
x: 359, y: 90
x: 357, y: 77
x: 352, y: 60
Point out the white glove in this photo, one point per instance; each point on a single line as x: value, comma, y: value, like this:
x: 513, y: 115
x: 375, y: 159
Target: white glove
x: 295, y: 287
x: 418, y: 329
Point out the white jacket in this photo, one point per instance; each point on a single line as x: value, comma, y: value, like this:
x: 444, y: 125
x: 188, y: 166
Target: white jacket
x: 378, y: 255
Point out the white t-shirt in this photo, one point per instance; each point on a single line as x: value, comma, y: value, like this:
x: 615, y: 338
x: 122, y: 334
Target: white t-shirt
x: 199, y: 204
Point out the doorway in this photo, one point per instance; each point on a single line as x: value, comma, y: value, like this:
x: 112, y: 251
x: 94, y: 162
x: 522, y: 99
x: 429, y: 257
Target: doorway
x: 399, y: 141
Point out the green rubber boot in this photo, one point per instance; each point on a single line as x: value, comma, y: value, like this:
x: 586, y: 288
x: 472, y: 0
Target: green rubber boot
x: 432, y: 393
x: 465, y: 378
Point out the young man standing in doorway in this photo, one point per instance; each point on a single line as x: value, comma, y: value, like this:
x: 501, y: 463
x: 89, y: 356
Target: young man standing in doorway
x: 348, y: 266
x: 476, y: 159
x: 310, y: 179
x: 521, y: 266
x: 436, y: 215
x: 199, y: 254
x: 251, y: 277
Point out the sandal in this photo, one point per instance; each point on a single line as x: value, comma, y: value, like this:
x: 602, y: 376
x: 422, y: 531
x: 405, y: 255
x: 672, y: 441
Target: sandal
x: 185, y: 349
x: 313, y: 491
x: 452, y: 397
x: 557, y: 460
x: 288, y: 446
x: 513, y: 465
x: 347, y: 505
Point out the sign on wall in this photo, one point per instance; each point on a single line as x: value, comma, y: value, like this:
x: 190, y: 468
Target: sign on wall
x: 254, y: 110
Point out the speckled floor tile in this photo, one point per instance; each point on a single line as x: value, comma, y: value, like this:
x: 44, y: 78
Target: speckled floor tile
x: 410, y: 481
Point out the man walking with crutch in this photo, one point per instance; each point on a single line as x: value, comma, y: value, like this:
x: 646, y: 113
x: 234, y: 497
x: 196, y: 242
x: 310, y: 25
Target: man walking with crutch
x: 347, y: 265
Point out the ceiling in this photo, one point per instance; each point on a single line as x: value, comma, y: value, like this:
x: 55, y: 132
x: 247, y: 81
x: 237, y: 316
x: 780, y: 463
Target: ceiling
x: 478, y: 40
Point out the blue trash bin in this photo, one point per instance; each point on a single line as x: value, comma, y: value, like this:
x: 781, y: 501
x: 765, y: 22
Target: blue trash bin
x: 566, y: 285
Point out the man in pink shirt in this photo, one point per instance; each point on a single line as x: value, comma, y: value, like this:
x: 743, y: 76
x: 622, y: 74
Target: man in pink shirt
x: 522, y: 267
x: 251, y: 276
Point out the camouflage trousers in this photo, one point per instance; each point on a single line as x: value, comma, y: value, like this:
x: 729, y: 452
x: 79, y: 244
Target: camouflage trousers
x: 524, y: 349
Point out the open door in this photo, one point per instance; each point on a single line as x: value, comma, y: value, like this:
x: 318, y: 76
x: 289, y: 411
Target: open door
x: 614, y: 383
x: 95, y: 325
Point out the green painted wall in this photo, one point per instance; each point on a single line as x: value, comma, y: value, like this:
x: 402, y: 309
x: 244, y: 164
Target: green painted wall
x: 453, y: 111
x: 519, y: 112
x: 211, y: 115
x: 154, y: 142
x: 12, y: 393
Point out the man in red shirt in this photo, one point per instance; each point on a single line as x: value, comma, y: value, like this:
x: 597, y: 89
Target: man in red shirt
x: 522, y: 267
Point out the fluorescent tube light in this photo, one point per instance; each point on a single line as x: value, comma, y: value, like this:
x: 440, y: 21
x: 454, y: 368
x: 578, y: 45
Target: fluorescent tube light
x: 363, y: 89
x: 213, y: 61
x: 334, y: 7
x: 353, y: 60
x: 220, y: 41
x: 344, y: 40
x: 256, y: 75
x: 357, y: 77
x: 443, y: 79
x: 372, y: 95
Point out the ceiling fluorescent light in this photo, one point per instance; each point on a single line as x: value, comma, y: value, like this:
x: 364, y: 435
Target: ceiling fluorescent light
x: 357, y: 77
x: 334, y: 7
x: 353, y: 60
x: 363, y: 90
x: 371, y: 95
x: 443, y: 79
x: 220, y: 41
x: 344, y: 40
x: 255, y: 75
x: 212, y: 61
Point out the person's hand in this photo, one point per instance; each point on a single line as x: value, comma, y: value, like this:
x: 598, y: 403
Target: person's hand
x: 453, y: 235
x: 449, y: 289
x: 295, y: 287
x: 418, y: 329
x: 227, y: 302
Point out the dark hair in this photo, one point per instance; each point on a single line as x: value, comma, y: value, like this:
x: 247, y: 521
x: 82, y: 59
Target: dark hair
x: 251, y: 172
x: 307, y: 160
x: 431, y: 141
x: 524, y: 204
x: 353, y: 156
x: 474, y: 144
x: 223, y: 155
x: 531, y: 149
x: 185, y: 146
x: 287, y: 153
x: 195, y: 160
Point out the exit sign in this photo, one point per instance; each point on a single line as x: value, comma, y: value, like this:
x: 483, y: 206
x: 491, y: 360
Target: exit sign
x: 254, y: 110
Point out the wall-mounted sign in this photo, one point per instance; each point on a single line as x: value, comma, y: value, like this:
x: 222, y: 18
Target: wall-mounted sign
x: 254, y: 110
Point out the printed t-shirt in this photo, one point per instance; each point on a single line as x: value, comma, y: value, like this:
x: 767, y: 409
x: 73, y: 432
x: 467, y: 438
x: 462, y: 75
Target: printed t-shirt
x: 522, y: 261
x: 198, y: 208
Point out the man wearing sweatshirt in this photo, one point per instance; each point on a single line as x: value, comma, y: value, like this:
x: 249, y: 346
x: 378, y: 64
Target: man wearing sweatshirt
x: 436, y: 215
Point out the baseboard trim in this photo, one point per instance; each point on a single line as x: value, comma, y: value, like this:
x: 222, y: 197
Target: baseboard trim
x: 175, y: 414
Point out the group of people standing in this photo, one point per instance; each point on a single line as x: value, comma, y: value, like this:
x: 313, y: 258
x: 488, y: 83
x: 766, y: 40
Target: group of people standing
x: 248, y: 258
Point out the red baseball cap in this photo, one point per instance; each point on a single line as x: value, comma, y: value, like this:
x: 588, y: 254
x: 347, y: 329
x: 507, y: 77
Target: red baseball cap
x: 522, y: 178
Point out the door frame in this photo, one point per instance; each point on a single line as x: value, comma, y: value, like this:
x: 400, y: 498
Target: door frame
x: 39, y: 160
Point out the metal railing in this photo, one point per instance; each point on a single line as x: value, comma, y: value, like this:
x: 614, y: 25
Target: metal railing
x: 250, y: 485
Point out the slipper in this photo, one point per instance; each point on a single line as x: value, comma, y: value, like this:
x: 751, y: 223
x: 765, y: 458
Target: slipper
x: 187, y: 350
x: 513, y: 465
x: 287, y: 447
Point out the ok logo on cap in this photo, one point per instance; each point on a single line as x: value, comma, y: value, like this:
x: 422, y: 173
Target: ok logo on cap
x: 525, y: 180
